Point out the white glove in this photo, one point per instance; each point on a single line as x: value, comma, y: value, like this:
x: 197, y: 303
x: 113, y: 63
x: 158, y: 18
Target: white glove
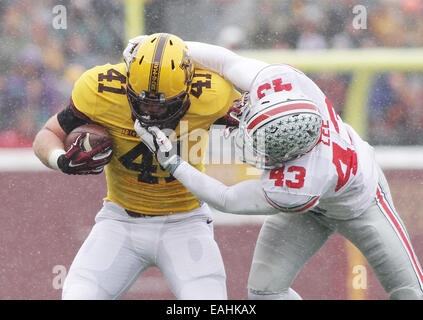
x: 129, y: 51
x: 157, y: 142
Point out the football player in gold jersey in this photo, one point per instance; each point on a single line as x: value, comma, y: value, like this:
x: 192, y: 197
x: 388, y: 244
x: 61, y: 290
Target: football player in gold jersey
x: 148, y: 218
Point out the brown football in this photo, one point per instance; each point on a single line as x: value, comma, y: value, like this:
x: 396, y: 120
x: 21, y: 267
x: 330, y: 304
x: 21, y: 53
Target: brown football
x: 96, y: 135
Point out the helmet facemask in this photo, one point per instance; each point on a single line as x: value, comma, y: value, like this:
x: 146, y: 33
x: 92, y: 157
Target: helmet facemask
x: 171, y: 110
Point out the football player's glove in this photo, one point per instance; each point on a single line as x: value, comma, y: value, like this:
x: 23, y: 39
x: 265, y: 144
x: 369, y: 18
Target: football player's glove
x: 232, y: 117
x: 78, y: 161
x: 157, y: 142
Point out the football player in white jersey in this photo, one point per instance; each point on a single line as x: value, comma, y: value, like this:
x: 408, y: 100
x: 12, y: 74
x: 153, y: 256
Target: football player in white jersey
x: 319, y: 177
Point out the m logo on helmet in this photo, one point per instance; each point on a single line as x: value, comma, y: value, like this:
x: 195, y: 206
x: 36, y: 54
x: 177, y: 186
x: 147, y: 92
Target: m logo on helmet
x: 186, y: 65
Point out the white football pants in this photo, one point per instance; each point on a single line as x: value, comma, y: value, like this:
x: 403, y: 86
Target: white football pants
x: 119, y: 248
x: 287, y: 241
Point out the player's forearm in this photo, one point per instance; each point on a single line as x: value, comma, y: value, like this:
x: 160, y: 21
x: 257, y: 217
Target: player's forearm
x: 242, y: 198
x: 48, y: 144
x: 238, y: 70
x: 202, y: 186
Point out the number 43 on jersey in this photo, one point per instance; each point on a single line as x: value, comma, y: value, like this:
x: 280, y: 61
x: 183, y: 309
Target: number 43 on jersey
x: 344, y: 160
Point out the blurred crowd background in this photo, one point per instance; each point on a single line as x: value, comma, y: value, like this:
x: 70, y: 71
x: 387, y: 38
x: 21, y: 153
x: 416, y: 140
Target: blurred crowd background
x: 39, y: 63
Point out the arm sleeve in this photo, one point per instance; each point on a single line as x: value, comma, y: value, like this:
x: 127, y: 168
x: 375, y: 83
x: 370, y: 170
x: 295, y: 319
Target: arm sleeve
x: 70, y: 118
x: 246, y: 197
x: 85, y: 96
x: 238, y: 70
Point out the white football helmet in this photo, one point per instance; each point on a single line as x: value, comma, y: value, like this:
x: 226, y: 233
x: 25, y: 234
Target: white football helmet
x: 277, y: 127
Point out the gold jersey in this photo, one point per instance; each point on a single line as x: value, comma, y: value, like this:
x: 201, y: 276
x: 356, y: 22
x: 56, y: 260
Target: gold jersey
x: 135, y: 180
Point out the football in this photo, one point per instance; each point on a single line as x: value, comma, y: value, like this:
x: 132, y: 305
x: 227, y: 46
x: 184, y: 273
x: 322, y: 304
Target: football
x: 96, y: 135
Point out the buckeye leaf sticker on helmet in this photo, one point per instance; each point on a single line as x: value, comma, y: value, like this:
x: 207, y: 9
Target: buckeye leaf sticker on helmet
x: 280, y: 123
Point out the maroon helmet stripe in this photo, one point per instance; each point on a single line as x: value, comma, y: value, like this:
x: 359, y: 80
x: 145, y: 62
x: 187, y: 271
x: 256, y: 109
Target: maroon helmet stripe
x: 153, y: 85
x: 277, y: 110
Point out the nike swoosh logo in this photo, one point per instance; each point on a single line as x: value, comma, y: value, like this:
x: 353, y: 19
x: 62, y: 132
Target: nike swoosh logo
x: 75, y: 165
x: 102, y: 155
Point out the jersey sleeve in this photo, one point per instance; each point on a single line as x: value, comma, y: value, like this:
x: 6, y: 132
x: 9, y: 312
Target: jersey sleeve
x: 238, y: 70
x: 70, y: 118
x: 213, y: 101
x: 84, y: 94
x: 227, y: 95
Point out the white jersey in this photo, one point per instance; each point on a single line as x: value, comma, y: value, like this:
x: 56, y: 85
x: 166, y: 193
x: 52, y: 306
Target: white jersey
x: 337, y: 178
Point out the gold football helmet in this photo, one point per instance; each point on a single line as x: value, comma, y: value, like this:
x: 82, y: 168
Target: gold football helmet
x: 159, y: 76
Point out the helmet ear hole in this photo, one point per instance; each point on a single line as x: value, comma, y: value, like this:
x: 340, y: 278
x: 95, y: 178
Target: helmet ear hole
x: 173, y: 65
